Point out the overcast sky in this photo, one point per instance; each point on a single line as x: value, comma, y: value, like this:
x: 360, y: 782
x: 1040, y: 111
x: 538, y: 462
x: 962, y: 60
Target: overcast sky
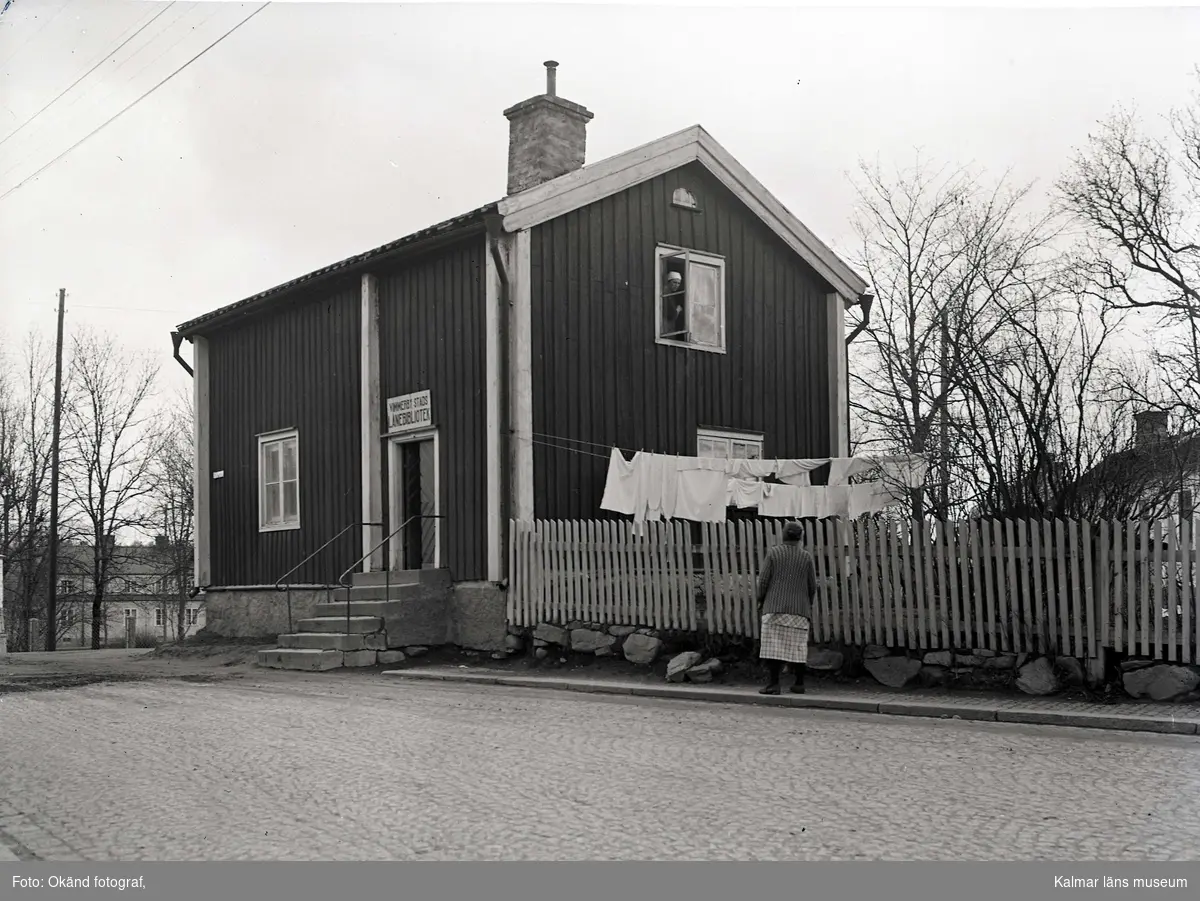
x: 317, y: 131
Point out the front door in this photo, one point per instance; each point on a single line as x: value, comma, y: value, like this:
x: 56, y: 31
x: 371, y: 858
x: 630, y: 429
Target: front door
x: 414, y: 488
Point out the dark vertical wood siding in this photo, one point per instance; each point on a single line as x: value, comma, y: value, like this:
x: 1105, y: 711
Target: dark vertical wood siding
x: 599, y: 378
x: 432, y: 337
x: 296, y: 367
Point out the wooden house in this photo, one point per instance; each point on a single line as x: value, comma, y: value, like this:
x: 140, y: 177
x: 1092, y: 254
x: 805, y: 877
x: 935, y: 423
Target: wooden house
x: 479, y: 371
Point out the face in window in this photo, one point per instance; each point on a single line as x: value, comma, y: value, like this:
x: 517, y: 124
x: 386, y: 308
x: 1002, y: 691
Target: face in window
x: 674, y: 315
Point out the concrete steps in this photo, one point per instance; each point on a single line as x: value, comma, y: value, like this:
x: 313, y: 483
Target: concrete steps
x: 333, y: 641
x: 369, y: 593
x: 364, y: 580
x: 329, y: 640
x: 360, y: 625
x: 319, y: 660
x: 310, y: 659
x: 357, y: 608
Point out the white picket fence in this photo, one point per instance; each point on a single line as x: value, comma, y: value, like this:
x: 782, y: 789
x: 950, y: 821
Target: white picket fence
x: 1008, y: 586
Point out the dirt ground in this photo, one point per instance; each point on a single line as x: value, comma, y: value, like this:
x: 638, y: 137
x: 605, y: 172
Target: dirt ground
x: 191, y: 661
x: 208, y: 659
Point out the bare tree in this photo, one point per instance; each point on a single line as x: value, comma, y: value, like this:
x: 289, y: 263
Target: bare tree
x: 991, y: 351
x: 173, y: 501
x: 1041, y: 417
x: 25, y: 436
x: 113, y: 441
x: 950, y: 261
x: 1138, y: 197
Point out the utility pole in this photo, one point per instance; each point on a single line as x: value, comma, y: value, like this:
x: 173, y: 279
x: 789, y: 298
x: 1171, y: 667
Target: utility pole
x: 944, y: 420
x: 52, y: 595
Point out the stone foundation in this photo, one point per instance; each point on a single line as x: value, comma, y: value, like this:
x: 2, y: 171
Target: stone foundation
x: 469, y: 614
x: 256, y: 612
x: 695, y: 658
x: 478, y: 616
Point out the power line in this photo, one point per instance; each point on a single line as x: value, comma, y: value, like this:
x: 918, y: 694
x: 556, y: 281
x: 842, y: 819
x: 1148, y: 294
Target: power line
x: 84, y: 306
x: 25, y: 42
x: 87, y: 91
x: 102, y: 61
x: 135, y: 102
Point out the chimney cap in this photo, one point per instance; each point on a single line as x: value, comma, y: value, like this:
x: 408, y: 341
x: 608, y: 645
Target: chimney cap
x: 550, y: 64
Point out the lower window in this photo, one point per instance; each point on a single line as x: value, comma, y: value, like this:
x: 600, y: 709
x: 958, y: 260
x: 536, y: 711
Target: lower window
x: 728, y: 445
x: 279, y: 481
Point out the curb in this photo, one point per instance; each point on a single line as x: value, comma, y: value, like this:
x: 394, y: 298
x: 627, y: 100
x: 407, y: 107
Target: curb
x: 921, y: 709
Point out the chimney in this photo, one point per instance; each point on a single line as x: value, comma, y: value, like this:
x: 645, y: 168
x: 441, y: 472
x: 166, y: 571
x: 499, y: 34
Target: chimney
x: 161, y: 542
x: 1149, y: 427
x: 547, y: 136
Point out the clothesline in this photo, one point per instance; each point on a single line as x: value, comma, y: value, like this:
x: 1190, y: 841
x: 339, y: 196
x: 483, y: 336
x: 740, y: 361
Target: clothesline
x: 607, y: 448
x: 656, y: 486
x: 570, y: 450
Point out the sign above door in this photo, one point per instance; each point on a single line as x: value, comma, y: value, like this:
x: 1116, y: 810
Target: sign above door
x: 409, y: 413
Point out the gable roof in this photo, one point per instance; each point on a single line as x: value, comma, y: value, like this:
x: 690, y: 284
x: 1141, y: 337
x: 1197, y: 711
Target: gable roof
x: 1162, y: 463
x: 254, y: 303
x: 577, y: 189
x: 615, y: 174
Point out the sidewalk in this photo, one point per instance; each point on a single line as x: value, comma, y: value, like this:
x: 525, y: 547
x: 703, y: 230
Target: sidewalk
x: 1169, y: 719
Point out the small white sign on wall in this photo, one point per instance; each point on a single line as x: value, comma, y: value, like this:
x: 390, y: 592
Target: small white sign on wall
x: 409, y: 412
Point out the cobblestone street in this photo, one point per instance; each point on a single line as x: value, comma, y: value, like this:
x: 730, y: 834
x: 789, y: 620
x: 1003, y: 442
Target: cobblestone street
x: 283, y: 766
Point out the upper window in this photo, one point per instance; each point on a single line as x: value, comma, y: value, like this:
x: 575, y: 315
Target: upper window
x: 66, y: 586
x: 279, y: 481
x: 690, y: 287
x: 728, y: 445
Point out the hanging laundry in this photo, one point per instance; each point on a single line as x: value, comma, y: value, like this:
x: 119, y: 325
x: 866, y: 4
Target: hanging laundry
x: 796, y: 472
x: 622, y: 489
x: 781, y: 500
x: 653, y: 479
x: 842, y: 469
x: 886, y: 495
x: 670, y: 486
x: 861, y: 500
x: 816, y: 501
x: 715, y: 464
x: 837, y: 501
x: 753, y: 469
x: 904, y: 471
x: 701, y: 495
x: 812, y: 501
x: 744, y: 493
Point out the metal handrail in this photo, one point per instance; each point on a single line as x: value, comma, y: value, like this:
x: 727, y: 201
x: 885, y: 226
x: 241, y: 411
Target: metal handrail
x: 279, y: 586
x: 387, y: 570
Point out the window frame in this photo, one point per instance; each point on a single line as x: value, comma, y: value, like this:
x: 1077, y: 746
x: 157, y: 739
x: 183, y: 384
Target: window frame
x: 160, y: 617
x: 191, y: 616
x: 663, y: 252
x: 757, y: 439
x: 265, y: 440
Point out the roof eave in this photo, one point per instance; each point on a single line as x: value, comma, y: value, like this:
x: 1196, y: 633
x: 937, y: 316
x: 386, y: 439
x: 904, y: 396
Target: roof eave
x: 416, y: 243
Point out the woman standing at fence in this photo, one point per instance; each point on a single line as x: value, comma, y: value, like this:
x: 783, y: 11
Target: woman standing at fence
x: 786, y: 589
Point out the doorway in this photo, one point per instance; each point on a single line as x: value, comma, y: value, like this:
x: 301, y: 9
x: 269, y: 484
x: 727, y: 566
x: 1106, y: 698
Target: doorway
x: 413, y: 488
